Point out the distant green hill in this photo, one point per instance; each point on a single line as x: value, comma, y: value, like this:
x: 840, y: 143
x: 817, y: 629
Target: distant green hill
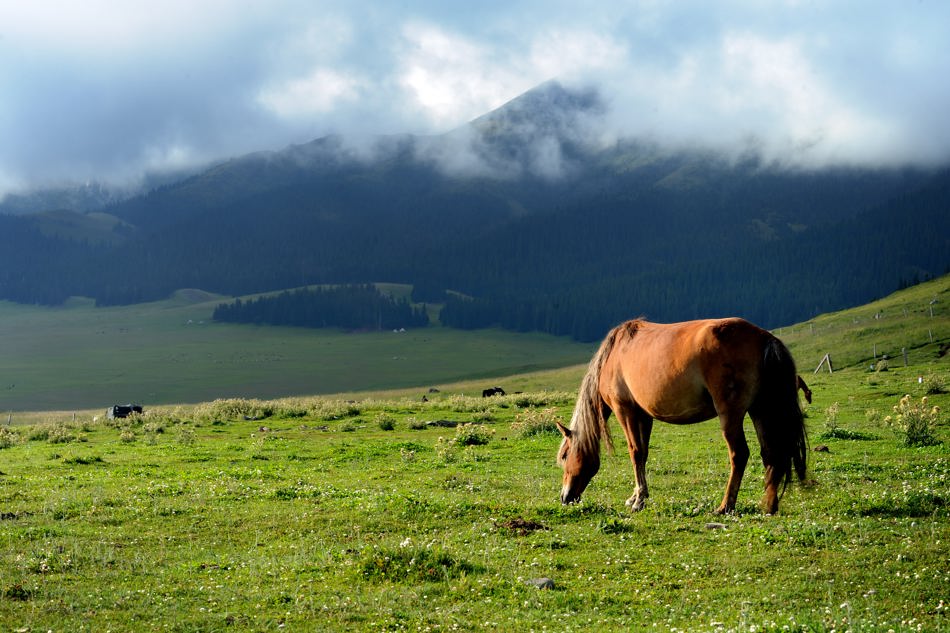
x: 916, y: 319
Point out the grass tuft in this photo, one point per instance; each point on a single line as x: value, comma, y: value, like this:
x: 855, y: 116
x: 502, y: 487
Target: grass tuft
x: 413, y: 565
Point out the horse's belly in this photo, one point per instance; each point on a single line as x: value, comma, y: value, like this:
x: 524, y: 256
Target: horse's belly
x: 686, y: 417
x: 683, y: 403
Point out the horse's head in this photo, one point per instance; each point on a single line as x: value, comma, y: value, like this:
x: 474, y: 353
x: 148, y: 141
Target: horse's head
x: 579, y: 466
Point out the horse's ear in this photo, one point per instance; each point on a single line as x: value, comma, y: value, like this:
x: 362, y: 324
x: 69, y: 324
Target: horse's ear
x: 566, y: 432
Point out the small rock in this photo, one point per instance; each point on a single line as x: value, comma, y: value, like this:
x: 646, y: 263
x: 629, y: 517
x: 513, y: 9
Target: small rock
x: 541, y: 583
x: 715, y: 526
x: 821, y: 448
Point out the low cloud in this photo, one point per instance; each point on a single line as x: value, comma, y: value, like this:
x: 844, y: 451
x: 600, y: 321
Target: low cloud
x: 107, y: 93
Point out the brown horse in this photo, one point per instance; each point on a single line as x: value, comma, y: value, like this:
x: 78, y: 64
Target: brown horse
x: 805, y: 390
x: 684, y: 373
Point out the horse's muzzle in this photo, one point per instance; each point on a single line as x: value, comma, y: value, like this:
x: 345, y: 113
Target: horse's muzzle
x: 567, y: 497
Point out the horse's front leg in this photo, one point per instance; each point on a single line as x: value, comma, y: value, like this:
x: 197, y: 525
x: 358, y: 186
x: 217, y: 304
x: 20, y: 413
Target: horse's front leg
x: 738, y: 458
x: 637, y: 429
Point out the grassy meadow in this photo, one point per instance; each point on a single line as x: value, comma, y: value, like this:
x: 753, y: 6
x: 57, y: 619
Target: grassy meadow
x: 383, y: 512
x: 80, y: 357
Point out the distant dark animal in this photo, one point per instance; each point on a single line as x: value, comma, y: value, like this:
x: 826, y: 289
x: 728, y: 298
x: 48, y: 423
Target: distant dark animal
x: 684, y: 373
x: 805, y: 390
x: 494, y: 391
x: 122, y: 410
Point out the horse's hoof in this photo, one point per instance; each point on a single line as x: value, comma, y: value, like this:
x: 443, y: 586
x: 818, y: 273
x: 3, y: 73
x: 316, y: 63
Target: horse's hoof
x: 635, y: 505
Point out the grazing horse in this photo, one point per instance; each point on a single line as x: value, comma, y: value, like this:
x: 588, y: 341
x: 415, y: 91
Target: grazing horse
x: 684, y: 373
x: 805, y: 390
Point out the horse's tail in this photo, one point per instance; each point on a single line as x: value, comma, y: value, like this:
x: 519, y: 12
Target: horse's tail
x: 589, y: 423
x: 776, y: 404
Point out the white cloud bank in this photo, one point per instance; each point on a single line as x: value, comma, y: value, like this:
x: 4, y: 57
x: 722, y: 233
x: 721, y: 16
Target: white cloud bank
x: 106, y: 91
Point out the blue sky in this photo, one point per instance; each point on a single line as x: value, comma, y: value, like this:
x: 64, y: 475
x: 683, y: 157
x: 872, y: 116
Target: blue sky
x: 107, y: 90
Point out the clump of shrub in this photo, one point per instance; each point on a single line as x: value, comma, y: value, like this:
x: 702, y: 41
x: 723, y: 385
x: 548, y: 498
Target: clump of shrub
x: 472, y: 435
x: 8, y: 437
x: 470, y: 404
x: 914, y: 423
x: 385, y: 421
x: 415, y: 424
x: 463, y: 443
x: 488, y: 415
x: 155, y: 427
x: 831, y: 416
x: 933, y: 384
x: 58, y: 434
x: 186, y: 436
x: 534, y: 399
x: 446, y: 450
x: 531, y: 422
x: 334, y: 409
x: 234, y: 409
x: 833, y: 431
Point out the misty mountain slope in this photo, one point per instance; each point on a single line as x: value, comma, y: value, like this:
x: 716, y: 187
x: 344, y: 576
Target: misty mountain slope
x: 524, y: 211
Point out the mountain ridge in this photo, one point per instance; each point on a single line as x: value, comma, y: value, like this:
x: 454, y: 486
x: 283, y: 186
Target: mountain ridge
x: 522, y: 207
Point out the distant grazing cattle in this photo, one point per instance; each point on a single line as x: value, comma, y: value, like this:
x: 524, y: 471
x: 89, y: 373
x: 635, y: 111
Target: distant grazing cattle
x: 122, y: 410
x: 494, y: 391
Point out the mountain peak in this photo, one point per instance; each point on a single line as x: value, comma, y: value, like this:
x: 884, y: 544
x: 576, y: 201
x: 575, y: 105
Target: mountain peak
x: 543, y: 132
x: 548, y: 109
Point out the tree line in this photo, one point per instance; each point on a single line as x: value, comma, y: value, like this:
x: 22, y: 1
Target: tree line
x: 353, y: 307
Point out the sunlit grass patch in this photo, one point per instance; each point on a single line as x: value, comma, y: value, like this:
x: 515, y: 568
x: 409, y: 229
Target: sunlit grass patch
x: 250, y: 524
x: 413, y: 565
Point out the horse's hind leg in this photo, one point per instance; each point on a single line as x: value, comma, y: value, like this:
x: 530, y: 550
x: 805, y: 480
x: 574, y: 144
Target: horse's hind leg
x: 773, y: 477
x: 637, y: 427
x: 738, y: 458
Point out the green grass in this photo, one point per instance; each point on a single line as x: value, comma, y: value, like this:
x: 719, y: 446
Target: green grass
x: 80, y: 357
x: 316, y: 515
x: 350, y: 512
x: 195, y: 519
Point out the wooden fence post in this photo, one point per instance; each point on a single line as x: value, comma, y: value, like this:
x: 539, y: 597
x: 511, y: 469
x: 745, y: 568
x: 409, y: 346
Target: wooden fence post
x: 826, y: 359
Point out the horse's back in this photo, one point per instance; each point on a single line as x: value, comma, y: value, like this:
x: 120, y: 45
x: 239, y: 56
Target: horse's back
x: 682, y: 372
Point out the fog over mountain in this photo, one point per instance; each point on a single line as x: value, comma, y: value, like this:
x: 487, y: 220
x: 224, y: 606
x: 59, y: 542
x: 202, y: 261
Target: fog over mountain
x: 108, y: 93
x: 527, y: 218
